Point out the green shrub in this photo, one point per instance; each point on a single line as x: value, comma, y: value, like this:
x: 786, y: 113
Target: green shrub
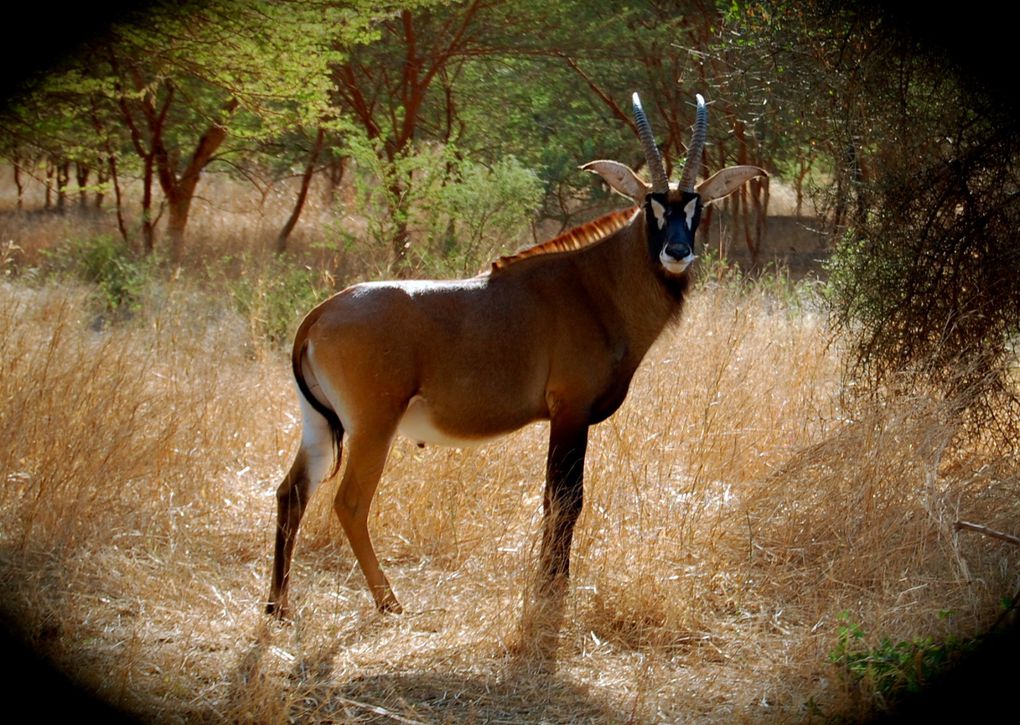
x: 478, y: 213
x: 119, y: 274
x: 274, y: 298
x: 890, y: 668
x: 457, y: 214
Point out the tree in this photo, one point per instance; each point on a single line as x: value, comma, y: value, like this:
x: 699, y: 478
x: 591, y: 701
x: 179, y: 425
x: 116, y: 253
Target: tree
x: 926, y: 163
x: 186, y: 80
x: 672, y: 51
x: 306, y: 179
x: 166, y: 88
x: 384, y: 88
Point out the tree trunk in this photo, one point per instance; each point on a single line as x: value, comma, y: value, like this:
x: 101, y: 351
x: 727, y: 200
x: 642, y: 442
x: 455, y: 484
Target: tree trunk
x: 81, y: 175
x: 180, y: 191
x: 48, y: 203
x: 179, y: 207
x: 336, y: 166
x: 758, y: 195
x: 306, y: 180
x: 804, y: 166
x: 63, y: 177
x: 848, y: 188
x: 97, y: 200
x: 148, y: 225
x: 17, y: 183
x: 117, y: 197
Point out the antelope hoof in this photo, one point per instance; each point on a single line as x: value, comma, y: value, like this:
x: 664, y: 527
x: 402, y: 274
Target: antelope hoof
x: 390, y: 605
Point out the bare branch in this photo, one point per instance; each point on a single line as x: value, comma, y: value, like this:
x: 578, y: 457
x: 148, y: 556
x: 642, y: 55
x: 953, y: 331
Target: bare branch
x: 612, y: 105
x: 987, y: 531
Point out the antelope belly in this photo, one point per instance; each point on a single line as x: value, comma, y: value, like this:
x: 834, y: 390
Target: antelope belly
x: 417, y: 424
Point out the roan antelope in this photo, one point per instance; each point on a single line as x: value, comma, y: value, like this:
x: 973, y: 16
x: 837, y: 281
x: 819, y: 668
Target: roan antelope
x: 554, y: 333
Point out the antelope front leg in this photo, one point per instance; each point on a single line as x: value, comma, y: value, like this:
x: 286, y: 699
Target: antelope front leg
x: 562, y: 503
x: 543, y: 616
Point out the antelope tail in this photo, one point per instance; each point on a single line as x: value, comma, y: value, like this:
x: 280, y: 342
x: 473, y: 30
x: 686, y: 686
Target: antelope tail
x: 336, y: 427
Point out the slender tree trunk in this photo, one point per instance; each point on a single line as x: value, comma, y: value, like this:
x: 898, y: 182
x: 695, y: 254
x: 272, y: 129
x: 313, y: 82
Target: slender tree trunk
x: 111, y: 166
x: 745, y: 203
x: 48, y: 204
x: 705, y: 229
x: 97, y: 200
x: 848, y: 188
x: 148, y: 225
x: 336, y: 166
x: 804, y: 166
x: 81, y: 176
x: 117, y: 198
x: 742, y: 224
x: 758, y: 190
x: 145, y: 151
x: 306, y: 180
x: 63, y: 177
x: 18, y: 184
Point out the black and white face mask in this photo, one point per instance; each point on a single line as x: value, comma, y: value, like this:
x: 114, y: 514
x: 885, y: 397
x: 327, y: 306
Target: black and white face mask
x: 671, y: 228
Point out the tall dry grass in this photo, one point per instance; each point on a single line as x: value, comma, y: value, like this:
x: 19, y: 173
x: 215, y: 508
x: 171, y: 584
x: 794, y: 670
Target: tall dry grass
x: 734, y: 509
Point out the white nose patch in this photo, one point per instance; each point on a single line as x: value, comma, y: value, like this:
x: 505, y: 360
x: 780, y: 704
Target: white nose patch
x: 675, y: 266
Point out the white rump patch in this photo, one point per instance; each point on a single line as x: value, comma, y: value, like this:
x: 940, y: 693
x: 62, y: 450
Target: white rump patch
x: 317, y: 442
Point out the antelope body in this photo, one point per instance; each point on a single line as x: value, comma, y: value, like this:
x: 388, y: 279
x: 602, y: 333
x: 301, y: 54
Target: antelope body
x: 551, y: 336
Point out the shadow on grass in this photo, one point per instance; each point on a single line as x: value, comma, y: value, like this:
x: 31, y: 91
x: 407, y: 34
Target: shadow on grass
x: 516, y: 689
x: 513, y: 696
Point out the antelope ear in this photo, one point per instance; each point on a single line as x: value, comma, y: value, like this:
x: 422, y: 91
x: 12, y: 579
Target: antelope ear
x: 723, y: 183
x: 620, y: 177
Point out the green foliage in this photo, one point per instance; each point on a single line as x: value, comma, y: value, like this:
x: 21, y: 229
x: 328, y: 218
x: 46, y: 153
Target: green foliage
x: 274, y: 297
x: 458, y: 213
x: 891, y: 668
x: 174, y: 87
x: 119, y: 274
x: 476, y: 214
x: 538, y: 113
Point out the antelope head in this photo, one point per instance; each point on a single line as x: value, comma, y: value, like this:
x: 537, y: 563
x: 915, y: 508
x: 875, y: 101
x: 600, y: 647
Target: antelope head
x: 672, y: 209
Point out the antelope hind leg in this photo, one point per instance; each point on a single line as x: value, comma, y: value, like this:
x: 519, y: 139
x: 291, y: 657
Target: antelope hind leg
x: 311, y: 465
x: 291, y: 500
x: 366, y: 458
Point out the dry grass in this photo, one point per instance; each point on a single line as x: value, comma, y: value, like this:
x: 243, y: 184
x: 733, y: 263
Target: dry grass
x: 733, y: 509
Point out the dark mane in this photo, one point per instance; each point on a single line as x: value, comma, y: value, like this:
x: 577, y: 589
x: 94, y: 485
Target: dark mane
x: 576, y: 238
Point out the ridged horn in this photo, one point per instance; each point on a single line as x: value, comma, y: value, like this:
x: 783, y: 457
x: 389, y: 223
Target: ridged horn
x: 660, y: 183
x: 693, y: 162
